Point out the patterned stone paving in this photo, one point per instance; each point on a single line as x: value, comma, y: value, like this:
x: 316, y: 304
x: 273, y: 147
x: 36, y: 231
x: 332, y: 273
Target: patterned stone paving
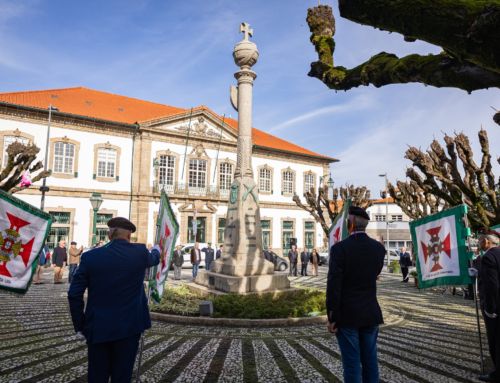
x: 430, y: 337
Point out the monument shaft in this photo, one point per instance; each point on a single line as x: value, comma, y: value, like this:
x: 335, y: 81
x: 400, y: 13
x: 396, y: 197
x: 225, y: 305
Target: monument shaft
x: 242, y: 268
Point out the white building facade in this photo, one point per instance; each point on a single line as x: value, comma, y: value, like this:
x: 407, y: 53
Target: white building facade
x: 128, y: 150
x: 388, y: 224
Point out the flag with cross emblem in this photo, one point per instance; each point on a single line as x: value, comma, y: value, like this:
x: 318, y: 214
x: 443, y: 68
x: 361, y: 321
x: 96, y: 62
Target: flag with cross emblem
x: 23, y: 230
x: 338, y: 230
x: 440, y: 246
x: 167, y: 230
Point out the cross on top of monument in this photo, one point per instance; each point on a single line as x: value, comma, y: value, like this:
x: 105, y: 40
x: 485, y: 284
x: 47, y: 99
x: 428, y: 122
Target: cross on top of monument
x: 246, y: 30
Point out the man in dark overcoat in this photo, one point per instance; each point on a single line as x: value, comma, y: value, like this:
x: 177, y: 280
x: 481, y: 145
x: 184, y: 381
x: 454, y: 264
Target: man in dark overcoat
x: 116, y: 313
x: 351, y: 298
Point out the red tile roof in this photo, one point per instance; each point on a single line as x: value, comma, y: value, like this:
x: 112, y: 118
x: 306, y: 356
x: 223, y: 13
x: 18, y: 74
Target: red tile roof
x: 92, y: 103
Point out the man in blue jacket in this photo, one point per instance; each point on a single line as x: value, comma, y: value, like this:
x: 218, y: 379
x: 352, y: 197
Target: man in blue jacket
x: 117, y: 308
x: 351, y: 299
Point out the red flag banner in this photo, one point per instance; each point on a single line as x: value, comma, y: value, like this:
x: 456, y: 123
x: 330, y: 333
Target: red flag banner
x: 23, y: 230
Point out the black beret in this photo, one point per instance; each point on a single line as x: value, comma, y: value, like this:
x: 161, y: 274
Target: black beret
x: 122, y: 223
x: 358, y: 211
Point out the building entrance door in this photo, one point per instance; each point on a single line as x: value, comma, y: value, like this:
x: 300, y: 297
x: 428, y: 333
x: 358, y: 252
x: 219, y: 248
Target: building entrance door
x: 200, y: 227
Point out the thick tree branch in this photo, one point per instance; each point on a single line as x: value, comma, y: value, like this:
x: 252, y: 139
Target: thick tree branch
x: 468, y: 29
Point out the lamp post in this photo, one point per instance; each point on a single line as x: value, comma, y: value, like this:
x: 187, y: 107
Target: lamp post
x: 385, y: 196
x: 95, y: 201
x: 330, y: 187
x: 44, y: 188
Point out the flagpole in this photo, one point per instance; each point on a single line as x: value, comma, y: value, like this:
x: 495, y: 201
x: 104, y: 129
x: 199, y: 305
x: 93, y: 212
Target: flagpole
x: 150, y: 273
x: 481, y: 362
x: 218, y: 148
x: 187, y: 141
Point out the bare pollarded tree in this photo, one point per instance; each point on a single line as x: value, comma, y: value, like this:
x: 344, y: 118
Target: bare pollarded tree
x: 324, y: 210
x: 467, y: 31
x: 443, y: 177
x: 21, y: 158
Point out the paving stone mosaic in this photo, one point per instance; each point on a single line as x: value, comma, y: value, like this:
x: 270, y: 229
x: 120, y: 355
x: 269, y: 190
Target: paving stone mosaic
x: 428, y: 337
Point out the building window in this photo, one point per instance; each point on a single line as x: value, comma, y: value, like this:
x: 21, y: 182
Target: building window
x: 106, y: 163
x: 397, y: 218
x: 309, y: 181
x: 166, y: 167
x: 286, y: 234
x: 197, y: 173
x: 102, y: 226
x: 265, y: 180
x: 287, y: 182
x: 60, y: 228
x: 380, y: 217
x: 266, y: 233
x: 7, y: 140
x: 220, y: 230
x: 225, y: 176
x: 309, y: 235
x: 64, y: 157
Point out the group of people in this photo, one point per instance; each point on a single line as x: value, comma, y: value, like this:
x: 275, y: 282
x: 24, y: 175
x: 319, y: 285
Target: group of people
x: 306, y: 257
x: 210, y: 256
x: 59, y: 260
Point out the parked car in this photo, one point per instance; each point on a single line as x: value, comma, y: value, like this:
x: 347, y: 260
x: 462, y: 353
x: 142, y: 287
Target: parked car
x: 280, y: 263
x: 324, y: 258
x: 186, y: 251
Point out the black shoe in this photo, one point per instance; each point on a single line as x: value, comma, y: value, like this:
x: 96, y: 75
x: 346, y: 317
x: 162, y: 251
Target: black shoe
x: 487, y: 378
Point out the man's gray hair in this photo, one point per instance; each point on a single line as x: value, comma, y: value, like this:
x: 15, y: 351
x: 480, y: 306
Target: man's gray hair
x: 492, y: 238
x: 358, y: 222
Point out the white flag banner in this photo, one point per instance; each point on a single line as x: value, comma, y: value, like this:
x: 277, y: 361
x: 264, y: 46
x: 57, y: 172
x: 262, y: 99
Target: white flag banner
x: 338, y: 230
x: 166, y: 236
x: 23, y: 230
x: 440, y: 243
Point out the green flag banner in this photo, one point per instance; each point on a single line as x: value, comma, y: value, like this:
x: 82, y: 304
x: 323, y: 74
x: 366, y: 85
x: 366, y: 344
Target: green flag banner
x: 338, y: 230
x: 23, y: 230
x: 166, y: 236
x: 440, y: 245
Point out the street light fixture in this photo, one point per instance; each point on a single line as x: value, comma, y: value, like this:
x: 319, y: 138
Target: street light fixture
x: 385, y: 196
x: 95, y: 201
x: 44, y: 188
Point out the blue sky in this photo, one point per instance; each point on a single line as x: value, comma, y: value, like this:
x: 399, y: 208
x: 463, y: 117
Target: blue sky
x: 179, y: 52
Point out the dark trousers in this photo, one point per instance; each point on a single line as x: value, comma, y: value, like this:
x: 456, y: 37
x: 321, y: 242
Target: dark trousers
x: 113, y: 360
x: 293, y: 269
x: 72, y: 271
x: 358, y: 349
x: 404, y: 270
x: 303, y: 270
x: 493, y: 334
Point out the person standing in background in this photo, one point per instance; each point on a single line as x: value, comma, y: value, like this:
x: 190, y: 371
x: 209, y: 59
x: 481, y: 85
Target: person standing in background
x: 293, y: 256
x: 177, y: 261
x: 404, y: 262
x: 314, y: 262
x: 42, y: 260
x: 209, y: 255
x: 59, y: 259
x: 304, y: 260
x: 195, y: 258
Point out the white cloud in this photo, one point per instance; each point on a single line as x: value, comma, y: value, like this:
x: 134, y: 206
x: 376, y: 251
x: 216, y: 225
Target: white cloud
x: 356, y: 104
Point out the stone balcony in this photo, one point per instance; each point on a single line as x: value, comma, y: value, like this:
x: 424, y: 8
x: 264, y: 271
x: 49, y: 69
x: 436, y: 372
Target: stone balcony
x: 180, y: 189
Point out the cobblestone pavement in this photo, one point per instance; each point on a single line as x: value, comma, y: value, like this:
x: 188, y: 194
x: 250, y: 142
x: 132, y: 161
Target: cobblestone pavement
x: 432, y: 338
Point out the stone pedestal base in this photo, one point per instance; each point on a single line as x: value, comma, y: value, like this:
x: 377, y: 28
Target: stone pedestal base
x: 242, y: 285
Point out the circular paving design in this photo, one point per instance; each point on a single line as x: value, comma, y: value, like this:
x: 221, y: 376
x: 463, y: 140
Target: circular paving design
x: 428, y: 337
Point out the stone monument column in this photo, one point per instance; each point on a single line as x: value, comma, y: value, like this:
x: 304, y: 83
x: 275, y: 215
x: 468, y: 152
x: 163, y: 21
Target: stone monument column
x: 243, y: 267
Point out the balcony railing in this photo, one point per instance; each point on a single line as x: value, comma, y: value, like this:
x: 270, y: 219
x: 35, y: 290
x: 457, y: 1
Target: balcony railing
x: 184, y: 190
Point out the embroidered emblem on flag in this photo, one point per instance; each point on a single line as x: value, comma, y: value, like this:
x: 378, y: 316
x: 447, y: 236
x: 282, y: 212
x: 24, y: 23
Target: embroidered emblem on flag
x: 23, y: 230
